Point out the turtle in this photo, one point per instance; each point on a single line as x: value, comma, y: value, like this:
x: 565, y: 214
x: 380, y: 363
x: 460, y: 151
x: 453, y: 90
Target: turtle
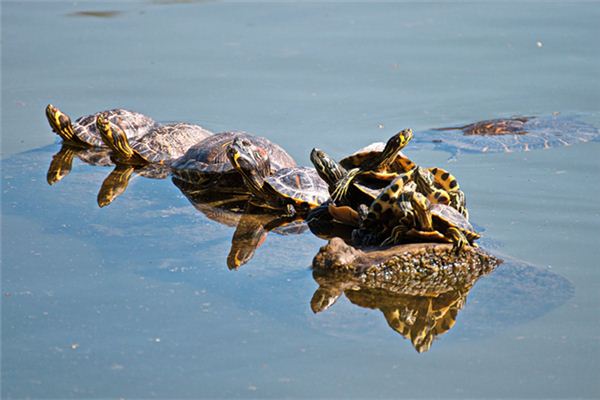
x: 441, y: 187
x: 430, y: 222
x: 360, y: 192
x: 382, y: 165
x: 206, y: 164
x: 511, y: 134
x: 161, y: 145
x: 83, y: 131
x: 297, y: 189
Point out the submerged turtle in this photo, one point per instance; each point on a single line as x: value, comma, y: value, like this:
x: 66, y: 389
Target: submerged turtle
x: 381, y: 165
x: 298, y: 187
x: 161, y: 145
x: 83, y: 131
x: 206, y: 163
x: 512, y: 134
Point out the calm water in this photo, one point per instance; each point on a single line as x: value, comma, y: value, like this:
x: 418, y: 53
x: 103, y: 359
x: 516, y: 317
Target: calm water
x: 136, y: 300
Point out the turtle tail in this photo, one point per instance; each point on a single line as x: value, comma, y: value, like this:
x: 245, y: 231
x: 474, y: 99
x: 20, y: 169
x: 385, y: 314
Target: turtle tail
x: 61, y: 124
x: 114, y: 137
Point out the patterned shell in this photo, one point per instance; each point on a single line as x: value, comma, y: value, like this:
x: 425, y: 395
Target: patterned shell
x: 451, y: 217
x: 357, y: 158
x: 133, y: 124
x: 301, y: 185
x: 511, y: 134
x: 209, y: 156
x: 168, y: 142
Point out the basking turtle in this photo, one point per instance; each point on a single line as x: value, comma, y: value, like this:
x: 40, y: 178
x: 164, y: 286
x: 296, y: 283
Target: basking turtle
x: 380, y: 164
x: 441, y: 187
x: 359, y: 191
x: 432, y: 222
x: 161, y: 145
x: 512, y: 134
x: 83, y: 131
x: 298, y: 187
x: 206, y: 162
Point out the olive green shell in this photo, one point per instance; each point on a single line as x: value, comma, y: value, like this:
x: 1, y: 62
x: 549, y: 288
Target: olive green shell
x: 168, y: 142
x: 207, y: 160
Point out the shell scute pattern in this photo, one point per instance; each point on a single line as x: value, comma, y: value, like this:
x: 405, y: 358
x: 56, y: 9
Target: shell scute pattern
x: 168, y: 142
x: 134, y: 125
x: 300, y: 185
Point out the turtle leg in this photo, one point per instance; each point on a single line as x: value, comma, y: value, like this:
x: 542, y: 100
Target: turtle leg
x: 114, y: 184
x: 342, y: 187
x: 398, y: 233
x: 458, y: 239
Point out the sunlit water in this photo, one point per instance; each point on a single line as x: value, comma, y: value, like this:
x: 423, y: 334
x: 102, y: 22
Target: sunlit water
x: 136, y: 300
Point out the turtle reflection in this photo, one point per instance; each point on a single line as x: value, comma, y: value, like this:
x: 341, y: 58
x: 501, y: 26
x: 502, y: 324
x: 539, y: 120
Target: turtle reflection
x: 114, y: 184
x: 419, y: 288
x: 233, y: 209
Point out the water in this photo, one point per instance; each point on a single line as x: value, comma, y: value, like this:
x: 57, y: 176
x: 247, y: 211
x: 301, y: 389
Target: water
x: 135, y: 299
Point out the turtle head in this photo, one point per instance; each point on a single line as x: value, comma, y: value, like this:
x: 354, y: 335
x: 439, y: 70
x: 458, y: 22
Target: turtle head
x: 327, y: 168
x: 394, y: 145
x: 251, y: 161
x: 113, y: 136
x: 420, y: 206
x: 60, y: 123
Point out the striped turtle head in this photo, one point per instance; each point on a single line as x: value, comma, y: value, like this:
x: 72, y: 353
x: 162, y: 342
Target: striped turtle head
x: 60, y: 123
x: 251, y: 161
x: 394, y: 145
x: 113, y: 136
x: 328, y: 169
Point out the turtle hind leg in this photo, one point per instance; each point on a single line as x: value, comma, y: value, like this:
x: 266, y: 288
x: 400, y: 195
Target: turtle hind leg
x: 457, y: 238
x: 61, y: 124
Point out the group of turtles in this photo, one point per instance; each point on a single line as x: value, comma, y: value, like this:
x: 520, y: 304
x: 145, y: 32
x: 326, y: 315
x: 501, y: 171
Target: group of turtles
x: 377, y: 193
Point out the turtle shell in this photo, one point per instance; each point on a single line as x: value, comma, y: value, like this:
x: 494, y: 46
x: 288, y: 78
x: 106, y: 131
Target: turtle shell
x: 299, y: 186
x: 207, y: 162
x: 358, y: 158
x: 511, y: 134
x: 445, y: 216
x: 168, y: 142
x: 133, y: 124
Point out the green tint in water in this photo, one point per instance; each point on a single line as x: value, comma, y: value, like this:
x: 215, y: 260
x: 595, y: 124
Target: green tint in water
x: 136, y: 300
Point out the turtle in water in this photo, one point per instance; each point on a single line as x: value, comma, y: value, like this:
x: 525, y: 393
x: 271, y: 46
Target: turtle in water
x: 161, y: 145
x: 512, y: 134
x: 297, y: 189
x: 83, y: 131
x: 430, y: 222
x: 206, y: 163
x: 420, y: 288
x: 381, y: 164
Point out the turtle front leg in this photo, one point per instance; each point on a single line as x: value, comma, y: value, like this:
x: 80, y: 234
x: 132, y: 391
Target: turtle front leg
x: 398, y: 233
